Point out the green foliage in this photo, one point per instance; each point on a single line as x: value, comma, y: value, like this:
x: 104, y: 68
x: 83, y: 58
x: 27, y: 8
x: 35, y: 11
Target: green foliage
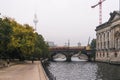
x: 93, y: 44
x: 41, y: 46
x: 93, y: 47
x: 20, y: 41
x: 5, y: 36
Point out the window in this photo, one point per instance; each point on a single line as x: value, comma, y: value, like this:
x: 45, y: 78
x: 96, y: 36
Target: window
x: 115, y: 54
x: 101, y: 45
x: 103, y: 54
x: 100, y: 54
x: 98, y: 46
x: 107, y: 54
x: 104, y: 45
x: 108, y: 44
x: 96, y: 54
x: 117, y: 41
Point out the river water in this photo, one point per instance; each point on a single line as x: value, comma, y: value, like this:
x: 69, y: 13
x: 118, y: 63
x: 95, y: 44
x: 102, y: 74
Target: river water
x: 81, y: 70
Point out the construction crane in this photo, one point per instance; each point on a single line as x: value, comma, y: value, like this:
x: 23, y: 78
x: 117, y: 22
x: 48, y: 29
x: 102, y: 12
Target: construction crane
x: 88, y: 45
x: 100, y: 10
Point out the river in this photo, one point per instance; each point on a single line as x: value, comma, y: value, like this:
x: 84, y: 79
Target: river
x: 81, y: 70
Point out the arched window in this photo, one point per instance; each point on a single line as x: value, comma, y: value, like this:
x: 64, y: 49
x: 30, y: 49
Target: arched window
x: 96, y: 54
x: 103, y: 54
x: 115, y: 54
x: 98, y: 45
x: 104, y: 45
x: 107, y: 54
x: 100, y: 54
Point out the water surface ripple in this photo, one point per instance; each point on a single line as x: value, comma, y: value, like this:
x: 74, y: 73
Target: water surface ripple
x: 84, y: 71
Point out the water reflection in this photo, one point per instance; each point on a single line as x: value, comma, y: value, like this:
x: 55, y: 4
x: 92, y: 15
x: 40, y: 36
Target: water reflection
x: 72, y: 59
x: 108, y: 72
x: 84, y: 71
x: 60, y: 59
x: 77, y: 59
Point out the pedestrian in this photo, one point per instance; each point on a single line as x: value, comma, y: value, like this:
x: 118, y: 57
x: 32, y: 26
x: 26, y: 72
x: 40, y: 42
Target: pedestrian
x: 8, y: 62
x: 32, y: 60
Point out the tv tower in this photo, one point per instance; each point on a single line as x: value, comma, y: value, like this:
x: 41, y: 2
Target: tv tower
x: 35, y: 20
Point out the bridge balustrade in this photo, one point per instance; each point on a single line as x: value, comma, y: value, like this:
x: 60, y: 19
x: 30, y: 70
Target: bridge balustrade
x: 67, y: 48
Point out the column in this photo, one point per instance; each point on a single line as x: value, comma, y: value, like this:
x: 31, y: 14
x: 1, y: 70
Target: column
x: 110, y: 38
x: 97, y: 39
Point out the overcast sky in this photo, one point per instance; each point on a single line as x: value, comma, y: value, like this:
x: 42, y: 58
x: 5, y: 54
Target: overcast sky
x: 60, y: 20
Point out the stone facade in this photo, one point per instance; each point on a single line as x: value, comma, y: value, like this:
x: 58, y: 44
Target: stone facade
x: 108, y: 39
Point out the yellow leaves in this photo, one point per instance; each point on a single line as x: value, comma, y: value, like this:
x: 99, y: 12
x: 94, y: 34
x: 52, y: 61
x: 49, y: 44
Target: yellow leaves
x: 23, y: 39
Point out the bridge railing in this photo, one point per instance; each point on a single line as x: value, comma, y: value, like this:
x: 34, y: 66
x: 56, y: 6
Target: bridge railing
x: 67, y: 48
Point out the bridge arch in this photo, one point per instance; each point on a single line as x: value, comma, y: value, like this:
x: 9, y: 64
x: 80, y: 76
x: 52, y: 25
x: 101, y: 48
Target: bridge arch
x: 57, y: 55
x: 69, y: 52
x: 69, y: 55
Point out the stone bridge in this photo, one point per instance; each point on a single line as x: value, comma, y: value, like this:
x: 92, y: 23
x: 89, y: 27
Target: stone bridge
x: 70, y: 51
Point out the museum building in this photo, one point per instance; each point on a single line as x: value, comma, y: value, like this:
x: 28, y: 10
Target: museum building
x: 108, y: 39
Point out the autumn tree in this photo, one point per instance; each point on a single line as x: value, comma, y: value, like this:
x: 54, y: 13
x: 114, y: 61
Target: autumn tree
x: 5, y: 36
x: 21, y: 41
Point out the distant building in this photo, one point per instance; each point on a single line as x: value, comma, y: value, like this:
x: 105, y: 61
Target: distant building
x: 51, y: 44
x: 108, y: 39
x: 79, y: 44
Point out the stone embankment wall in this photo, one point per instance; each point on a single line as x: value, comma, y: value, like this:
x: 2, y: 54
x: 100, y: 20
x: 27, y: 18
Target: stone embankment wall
x: 111, y: 58
x: 43, y: 75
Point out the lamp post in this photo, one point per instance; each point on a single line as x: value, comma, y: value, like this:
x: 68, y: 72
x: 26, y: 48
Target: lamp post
x: 68, y: 55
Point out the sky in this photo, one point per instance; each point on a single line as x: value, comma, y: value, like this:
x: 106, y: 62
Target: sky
x: 60, y: 20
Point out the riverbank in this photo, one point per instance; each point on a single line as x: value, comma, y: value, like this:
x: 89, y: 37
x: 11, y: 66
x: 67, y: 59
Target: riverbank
x: 24, y: 71
x: 109, y: 62
x: 5, y: 63
x: 45, y: 65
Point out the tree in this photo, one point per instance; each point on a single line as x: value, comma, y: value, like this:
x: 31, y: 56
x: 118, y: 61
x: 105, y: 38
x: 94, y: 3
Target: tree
x: 23, y: 39
x: 93, y: 47
x: 41, y: 47
x: 20, y: 41
x: 5, y: 36
x: 93, y: 44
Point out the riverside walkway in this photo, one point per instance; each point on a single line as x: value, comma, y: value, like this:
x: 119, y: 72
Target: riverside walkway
x: 25, y: 71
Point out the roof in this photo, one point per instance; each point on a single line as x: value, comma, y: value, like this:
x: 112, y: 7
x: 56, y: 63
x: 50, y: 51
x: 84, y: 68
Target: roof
x: 111, y: 20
